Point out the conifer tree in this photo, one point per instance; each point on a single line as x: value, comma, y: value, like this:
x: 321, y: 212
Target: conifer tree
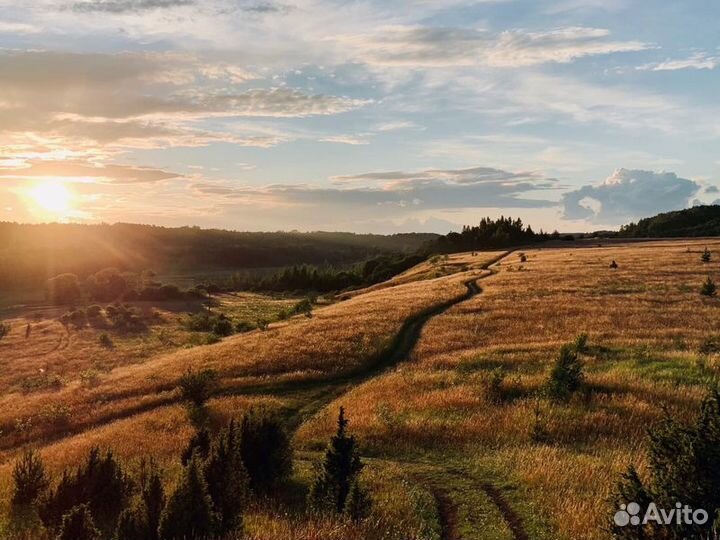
x: 708, y: 287
x: 189, y: 511
x: 29, y: 478
x: 266, y: 452
x: 566, y: 376
x: 706, y: 256
x: 227, y: 479
x: 78, y: 524
x: 339, y: 471
x: 200, y: 442
x: 359, y: 503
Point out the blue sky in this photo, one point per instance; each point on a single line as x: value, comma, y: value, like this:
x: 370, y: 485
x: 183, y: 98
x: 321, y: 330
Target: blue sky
x: 364, y: 116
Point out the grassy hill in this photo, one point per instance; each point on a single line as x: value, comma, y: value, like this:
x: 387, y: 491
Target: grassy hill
x: 443, y: 373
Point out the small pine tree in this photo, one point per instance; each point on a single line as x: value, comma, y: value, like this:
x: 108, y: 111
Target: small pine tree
x: 566, y: 376
x: 706, y: 256
x: 630, y: 489
x: 708, y: 288
x: 29, y: 478
x: 227, y: 480
x: 152, y: 495
x: 78, y: 524
x: 189, y: 511
x: 339, y: 470
x: 613, y: 265
x: 266, y: 452
x: 359, y: 503
x: 581, y: 343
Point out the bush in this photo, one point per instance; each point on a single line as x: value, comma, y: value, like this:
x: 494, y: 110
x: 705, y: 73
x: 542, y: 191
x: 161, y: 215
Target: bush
x: 581, y: 343
x: 197, y: 387
x: 107, y: 285
x: 29, y: 479
x: 684, y: 466
x: 708, y: 288
x: 706, y: 256
x: 710, y: 345
x: 4, y: 330
x: 566, y: 376
x: 244, y: 326
x: 266, y: 452
x: 100, y: 483
x: 494, y: 386
x: 106, y: 341
x: 223, y: 327
x: 199, y: 443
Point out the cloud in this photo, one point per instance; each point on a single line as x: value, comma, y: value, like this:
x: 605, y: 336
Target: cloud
x: 629, y: 194
x: 400, y: 192
x: 443, y: 47
x: 353, y: 140
x: 142, y: 99
x: 124, y: 6
x: 700, y: 60
x: 37, y: 169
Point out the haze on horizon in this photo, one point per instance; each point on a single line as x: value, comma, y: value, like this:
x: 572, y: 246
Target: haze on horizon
x: 357, y: 116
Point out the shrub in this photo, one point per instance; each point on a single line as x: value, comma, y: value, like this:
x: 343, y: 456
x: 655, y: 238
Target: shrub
x: 29, y: 479
x: 581, y: 343
x: 304, y: 307
x: 89, y: 378
x: 106, y: 341
x: 4, y: 329
x: 244, y: 326
x: 99, y: 482
x: 263, y: 324
x: 107, y: 285
x: 266, y: 451
x: 710, y: 345
x: 566, y: 376
x: 613, y: 265
x: 223, y: 326
x: 706, y: 256
x: 197, y: 387
x: 189, y: 511
x: 523, y: 258
x: 78, y: 524
x: 494, y: 386
x: 708, y: 288
x: 359, y: 503
x: 684, y: 466
x: 339, y: 471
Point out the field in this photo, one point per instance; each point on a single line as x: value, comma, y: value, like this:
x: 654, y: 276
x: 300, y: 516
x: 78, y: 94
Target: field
x: 441, y: 372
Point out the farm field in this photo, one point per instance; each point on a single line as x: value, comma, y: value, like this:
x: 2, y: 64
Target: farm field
x: 441, y: 372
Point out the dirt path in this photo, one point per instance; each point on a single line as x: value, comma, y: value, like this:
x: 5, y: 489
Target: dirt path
x: 509, y: 515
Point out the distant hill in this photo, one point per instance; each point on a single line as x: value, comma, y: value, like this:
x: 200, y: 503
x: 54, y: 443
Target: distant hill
x: 29, y: 254
x: 695, y: 221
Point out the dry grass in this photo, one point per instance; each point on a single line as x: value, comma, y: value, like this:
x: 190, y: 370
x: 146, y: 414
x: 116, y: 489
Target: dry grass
x: 341, y: 338
x: 649, y: 319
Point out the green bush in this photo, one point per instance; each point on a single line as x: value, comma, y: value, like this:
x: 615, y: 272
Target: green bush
x: 708, y: 288
x: 223, y: 327
x: 78, y: 524
x: 197, y: 387
x: 29, y: 478
x: 566, y: 376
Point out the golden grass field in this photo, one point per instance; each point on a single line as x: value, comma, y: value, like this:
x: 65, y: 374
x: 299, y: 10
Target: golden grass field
x: 429, y: 427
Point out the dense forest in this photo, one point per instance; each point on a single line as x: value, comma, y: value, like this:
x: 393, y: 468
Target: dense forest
x: 488, y: 234
x: 695, y: 221
x: 31, y: 254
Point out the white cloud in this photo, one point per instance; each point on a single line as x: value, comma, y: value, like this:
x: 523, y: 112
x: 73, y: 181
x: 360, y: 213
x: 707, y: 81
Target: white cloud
x: 699, y: 60
x: 443, y: 47
x: 629, y: 194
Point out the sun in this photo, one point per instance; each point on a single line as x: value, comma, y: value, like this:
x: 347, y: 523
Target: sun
x: 52, y: 198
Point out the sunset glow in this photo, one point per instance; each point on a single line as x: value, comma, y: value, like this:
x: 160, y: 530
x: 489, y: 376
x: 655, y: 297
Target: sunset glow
x: 53, y: 199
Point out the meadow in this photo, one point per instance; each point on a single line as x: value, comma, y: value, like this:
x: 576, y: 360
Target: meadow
x: 459, y: 439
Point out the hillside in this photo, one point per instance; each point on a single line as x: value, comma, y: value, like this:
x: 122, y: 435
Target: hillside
x: 29, y: 254
x: 443, y: 373
x: 695, y: 221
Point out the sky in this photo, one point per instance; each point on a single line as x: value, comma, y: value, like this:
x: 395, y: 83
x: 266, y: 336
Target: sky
x: 368, y: 116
